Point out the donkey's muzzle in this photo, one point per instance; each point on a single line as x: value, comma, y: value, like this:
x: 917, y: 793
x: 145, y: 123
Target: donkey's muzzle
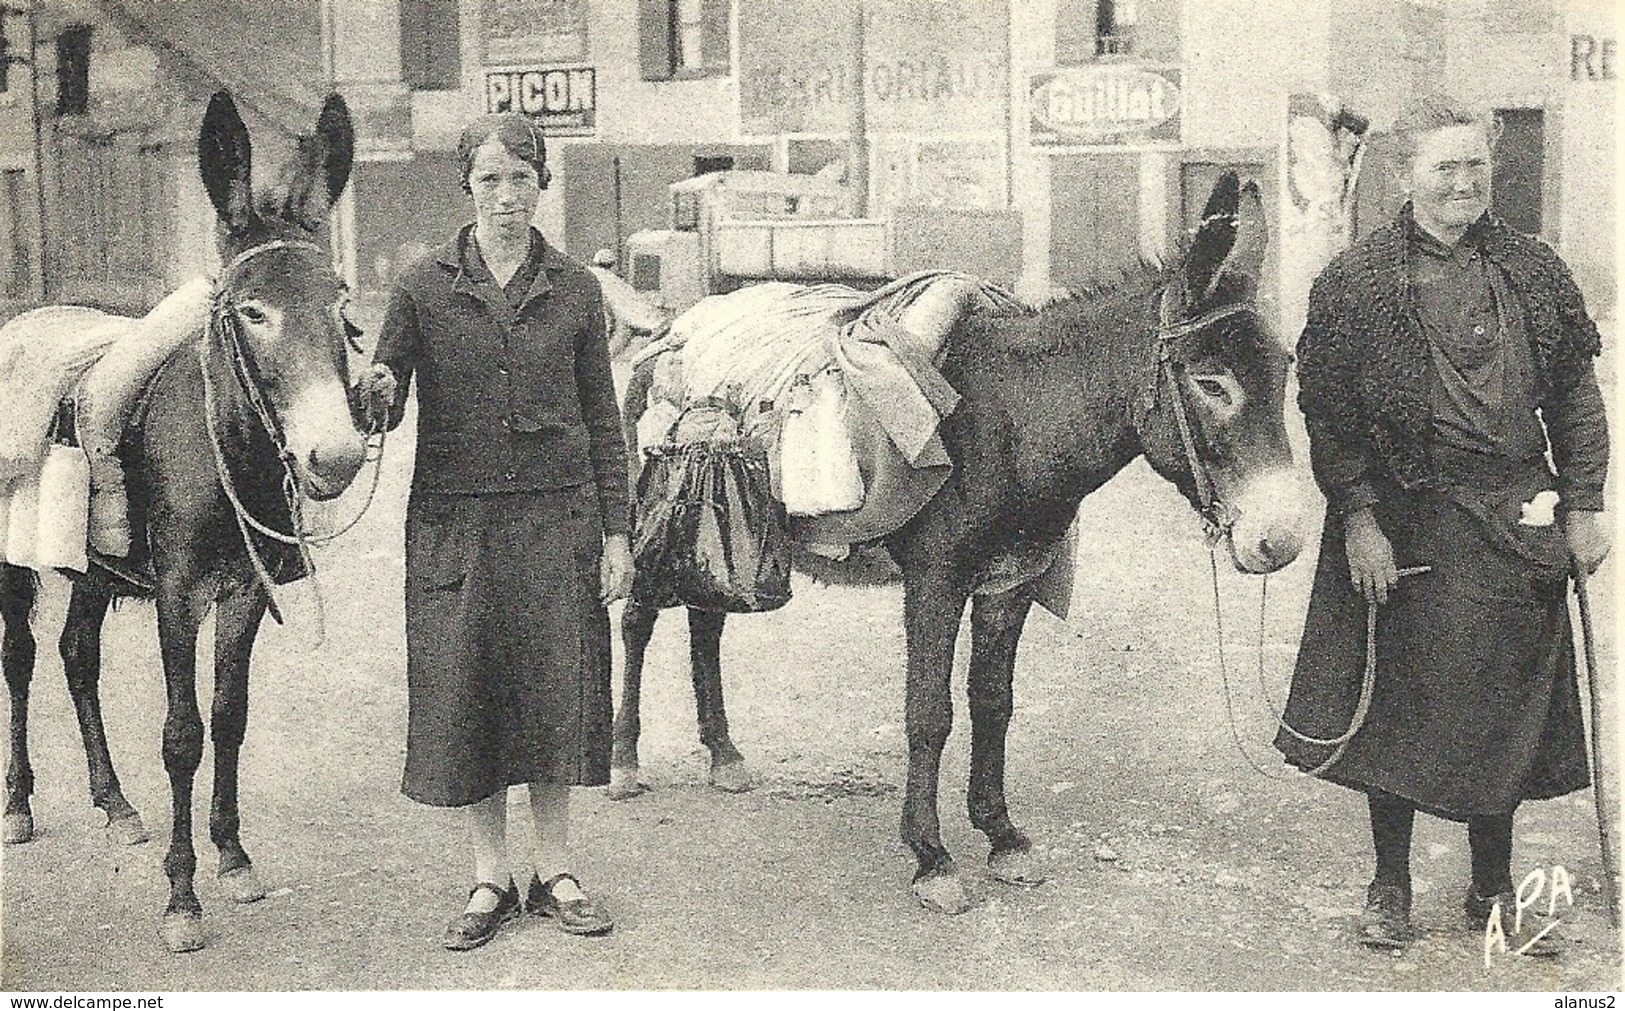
x: 1268, y: 532
x: 328, y: 470
x: 324, y: 443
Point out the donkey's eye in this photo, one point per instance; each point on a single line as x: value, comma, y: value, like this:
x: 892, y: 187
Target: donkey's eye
x: 252, y: 314
x: 1213, y: 388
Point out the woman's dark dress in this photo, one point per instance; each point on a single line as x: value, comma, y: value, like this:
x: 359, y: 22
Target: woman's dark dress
x: 508, y: 648
x: 1476, y: 705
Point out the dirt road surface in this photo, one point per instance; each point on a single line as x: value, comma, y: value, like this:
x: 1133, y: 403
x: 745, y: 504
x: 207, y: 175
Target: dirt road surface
x: 1173, y: 863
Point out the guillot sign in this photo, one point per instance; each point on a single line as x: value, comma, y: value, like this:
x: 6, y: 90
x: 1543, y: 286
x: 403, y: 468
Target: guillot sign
x: 1105, y: 106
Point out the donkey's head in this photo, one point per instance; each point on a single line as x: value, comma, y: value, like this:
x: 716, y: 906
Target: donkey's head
x: 279, y: 306
x: 1217, y: 428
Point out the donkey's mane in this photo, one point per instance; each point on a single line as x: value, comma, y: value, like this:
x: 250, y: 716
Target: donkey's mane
x: 1062, y: 326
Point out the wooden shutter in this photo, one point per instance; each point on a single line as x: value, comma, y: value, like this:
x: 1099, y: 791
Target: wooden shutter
x: 655, y: 26
x: 714, y: 36
x: 431, y: 45
x: 73, y: 71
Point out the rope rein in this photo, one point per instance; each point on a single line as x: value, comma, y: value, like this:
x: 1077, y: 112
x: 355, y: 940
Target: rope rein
x: 1217, y: 516
x: 1368, y: 681
x: 223, y: 323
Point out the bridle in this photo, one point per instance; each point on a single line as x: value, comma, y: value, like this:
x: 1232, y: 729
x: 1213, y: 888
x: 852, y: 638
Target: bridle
x: 223, y: 328
x: 1218, y: 516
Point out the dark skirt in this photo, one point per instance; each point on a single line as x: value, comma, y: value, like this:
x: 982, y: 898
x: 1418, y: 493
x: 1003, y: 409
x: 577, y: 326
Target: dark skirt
x: 1476, y: 705
x: 507, y: 645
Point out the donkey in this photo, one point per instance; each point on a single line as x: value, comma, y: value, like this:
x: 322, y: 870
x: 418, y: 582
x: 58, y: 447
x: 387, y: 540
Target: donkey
x: 1175, y: 364
x: 233, y: 431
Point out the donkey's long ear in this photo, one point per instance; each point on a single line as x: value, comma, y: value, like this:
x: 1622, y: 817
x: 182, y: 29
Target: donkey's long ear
x: 1229, y: 243
x: 333, y: 127
x: 319, y: 169
x: 1244, y: 264
x: 224, y: 159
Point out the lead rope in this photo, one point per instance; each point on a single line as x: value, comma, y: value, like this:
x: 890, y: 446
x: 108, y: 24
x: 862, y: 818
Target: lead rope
x: 238, y: 511
x: 292, y: 491
x: 1368, y: 681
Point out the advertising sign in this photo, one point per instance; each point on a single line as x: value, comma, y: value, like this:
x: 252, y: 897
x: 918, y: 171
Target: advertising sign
x: 1105, y: 106
x: 553, y: 31
x: 562, y: 100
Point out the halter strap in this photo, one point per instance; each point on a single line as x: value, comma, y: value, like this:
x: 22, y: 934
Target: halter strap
x: 264, y: 247
x: 1167, y: 332
x: 1215, y: 512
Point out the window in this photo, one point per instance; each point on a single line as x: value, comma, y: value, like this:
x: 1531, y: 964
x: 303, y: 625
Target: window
x: 1114, y: 27
x: 73, y: 71
x: 1517, y: 176
x: 431, y: 45
x: 645, y: 272
x: 683, y: 38
x: 6, y: 52
x: 704, y: 164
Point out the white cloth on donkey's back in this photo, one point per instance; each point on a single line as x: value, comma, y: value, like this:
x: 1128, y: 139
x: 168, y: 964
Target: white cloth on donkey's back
x: 43, y: 352
x: 748, y: 346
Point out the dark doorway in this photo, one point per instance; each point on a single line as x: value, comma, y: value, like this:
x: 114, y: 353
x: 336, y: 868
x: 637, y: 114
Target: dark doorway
x: 613, y: 190
x: 1516, y: 191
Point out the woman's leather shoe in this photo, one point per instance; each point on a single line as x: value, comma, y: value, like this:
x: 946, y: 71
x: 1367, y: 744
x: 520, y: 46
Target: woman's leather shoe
x: 1386, y: 922
x: 573, y: 916
x: 470, y: 930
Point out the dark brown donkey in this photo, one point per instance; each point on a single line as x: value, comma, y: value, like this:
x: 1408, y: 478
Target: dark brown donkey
x: 1176, y: 365
x: 236, y: 428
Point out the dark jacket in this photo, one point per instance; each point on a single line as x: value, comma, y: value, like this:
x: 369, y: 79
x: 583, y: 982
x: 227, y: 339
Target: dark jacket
x: 1365, y: 373
x: 508, y: 399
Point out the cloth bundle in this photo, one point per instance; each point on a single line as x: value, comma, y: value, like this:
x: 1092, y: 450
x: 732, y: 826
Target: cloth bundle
x: 709, y: 533
x: 822, y: 361
x: 58, y: 496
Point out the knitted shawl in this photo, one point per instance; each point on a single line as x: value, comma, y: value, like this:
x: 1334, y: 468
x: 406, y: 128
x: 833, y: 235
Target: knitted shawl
x: 1364, y: 369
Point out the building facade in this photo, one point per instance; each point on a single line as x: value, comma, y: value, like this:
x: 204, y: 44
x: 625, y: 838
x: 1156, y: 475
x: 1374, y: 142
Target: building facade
x: 1038, y: 142
x: 1041, y: 141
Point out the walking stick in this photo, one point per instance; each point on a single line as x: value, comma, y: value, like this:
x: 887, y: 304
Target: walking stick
x: 1599, y: 769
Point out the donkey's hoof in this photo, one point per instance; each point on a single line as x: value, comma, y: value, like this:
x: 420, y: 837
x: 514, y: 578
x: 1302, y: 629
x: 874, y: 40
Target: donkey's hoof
x: 17, y: 828
x: 942, y: 893
x: 242, y: 885
x: 1016, y: 867
x: 623, y: 782
x: 182, y: 931
x: 732, y: 777
x: 127, y: 830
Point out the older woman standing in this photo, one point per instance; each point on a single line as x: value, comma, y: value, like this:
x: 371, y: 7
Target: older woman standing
x: 516, y: 530
x: 1444, y: 354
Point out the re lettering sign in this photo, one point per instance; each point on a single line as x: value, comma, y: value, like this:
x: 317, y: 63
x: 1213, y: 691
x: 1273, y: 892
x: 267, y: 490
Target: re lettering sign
x: 562, y: 100
x: 1105, y: 106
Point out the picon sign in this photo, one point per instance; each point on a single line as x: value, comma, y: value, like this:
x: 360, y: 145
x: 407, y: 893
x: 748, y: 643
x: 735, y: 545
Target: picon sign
x: 562, y: 100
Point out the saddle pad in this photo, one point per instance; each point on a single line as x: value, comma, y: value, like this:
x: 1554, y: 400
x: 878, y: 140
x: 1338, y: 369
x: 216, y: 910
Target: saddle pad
x: 43, y: 352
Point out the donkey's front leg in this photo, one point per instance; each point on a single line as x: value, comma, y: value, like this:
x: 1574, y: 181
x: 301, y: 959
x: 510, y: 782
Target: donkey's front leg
x: 237, y: 621
x: 996, y: 623
x: 81, y: 648
x: 729, y: 772
x: 17, y: 593
x: 181, y: 606
x: 931, y: 611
